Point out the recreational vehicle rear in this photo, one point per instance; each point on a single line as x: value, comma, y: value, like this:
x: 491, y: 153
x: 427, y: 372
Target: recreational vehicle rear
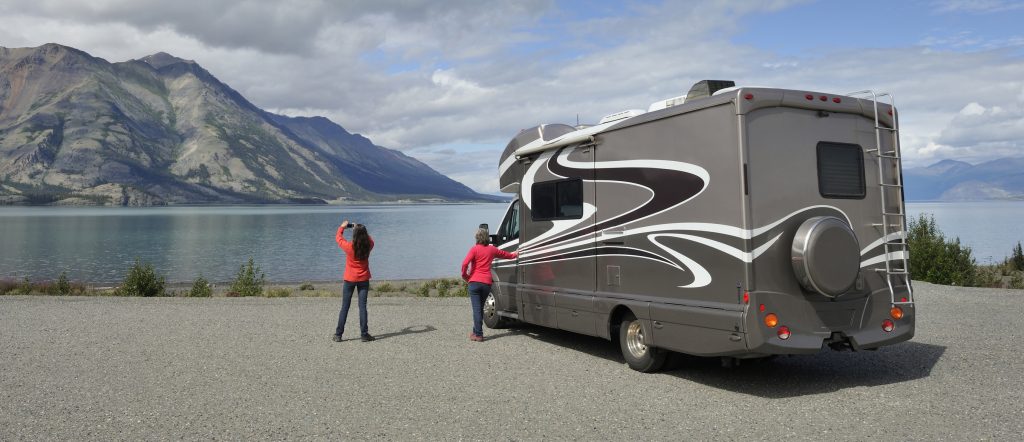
x: 734, y: 222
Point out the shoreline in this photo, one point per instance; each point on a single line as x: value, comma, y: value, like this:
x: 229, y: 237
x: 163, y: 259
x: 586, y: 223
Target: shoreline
x: 424, y: 288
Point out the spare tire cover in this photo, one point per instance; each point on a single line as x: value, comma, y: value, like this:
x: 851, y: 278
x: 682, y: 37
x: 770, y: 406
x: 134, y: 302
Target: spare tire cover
x: 826, y: 255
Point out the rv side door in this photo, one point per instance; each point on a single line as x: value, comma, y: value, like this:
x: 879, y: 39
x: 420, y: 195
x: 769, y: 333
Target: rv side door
x: 505, y: 272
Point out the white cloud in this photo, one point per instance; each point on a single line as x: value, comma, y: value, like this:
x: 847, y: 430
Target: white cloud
x: 978, y: 6
x: 425, y: 76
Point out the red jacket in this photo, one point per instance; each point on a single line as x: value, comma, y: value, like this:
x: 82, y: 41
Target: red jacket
x: 355, y: 270
x: 481, y: 256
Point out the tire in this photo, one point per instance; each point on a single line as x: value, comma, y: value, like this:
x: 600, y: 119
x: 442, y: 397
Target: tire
x: 639, y: 356
x: 491, y: 317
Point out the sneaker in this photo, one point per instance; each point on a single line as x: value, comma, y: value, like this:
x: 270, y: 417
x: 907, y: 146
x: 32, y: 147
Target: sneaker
x: 336, y: 338
x: 367, y: 338
x: 475, y: 337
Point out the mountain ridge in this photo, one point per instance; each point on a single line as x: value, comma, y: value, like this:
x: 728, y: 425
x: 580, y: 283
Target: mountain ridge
x: 952, y: 180
x: 77, y: 129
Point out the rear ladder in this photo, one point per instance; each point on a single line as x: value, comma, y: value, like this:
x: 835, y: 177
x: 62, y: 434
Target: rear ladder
x: 894, y: 224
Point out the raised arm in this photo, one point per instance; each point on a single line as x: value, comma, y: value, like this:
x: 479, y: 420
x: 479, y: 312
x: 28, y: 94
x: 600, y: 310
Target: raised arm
x: 340, y: 238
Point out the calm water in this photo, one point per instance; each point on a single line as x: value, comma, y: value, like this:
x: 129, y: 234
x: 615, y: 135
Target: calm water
x: 990, y: 229
x: 290, y: 243
x: 296, y: 243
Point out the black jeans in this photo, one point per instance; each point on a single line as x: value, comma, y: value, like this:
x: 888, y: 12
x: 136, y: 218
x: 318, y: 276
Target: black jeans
x: 346, y: 301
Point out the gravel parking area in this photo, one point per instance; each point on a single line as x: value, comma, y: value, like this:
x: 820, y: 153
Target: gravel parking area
x: 235, y: 368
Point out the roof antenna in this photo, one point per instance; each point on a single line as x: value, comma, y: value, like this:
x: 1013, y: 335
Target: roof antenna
x: 577, y: 119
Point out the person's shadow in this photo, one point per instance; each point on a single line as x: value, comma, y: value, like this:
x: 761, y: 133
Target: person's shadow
x: 411, y: 330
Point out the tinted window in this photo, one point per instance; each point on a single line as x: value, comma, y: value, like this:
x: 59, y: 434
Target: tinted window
x: 840, y: 170
x: 570, y: 199
x: 557, y: 200
x: 510, y: 228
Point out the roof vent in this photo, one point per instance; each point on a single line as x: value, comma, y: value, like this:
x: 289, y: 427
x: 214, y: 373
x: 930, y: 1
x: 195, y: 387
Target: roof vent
x: 705, y: 88
x: 674, y: 101
x: 621, y: 115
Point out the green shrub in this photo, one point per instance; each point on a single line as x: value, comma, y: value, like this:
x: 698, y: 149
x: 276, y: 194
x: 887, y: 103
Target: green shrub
x: 63, y: 285
x: 7, y: 286
x: 935, y: 259
x: 1017, y: 258
x: 989, y: 276
x: 423, y: 291
x: 249, y: 281
x: 306, y: 286
x: 279, y: 292
x: 384, y: 287
x: 25, y: 287
x: 1016, y: 282
x: 200, y: 288
x: 462, y: 291
x: 141, y: 280
x: 442, y: 287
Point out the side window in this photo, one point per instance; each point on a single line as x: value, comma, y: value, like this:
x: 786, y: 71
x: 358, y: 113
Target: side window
x: 562, y: 199
x: 510, y: 226
x: 840, y: 170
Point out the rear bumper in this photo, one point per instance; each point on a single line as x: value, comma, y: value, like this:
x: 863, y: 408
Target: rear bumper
x: 855, y: 323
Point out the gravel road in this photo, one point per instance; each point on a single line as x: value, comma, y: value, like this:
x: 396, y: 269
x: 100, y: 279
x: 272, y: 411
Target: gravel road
x: 230, y: 368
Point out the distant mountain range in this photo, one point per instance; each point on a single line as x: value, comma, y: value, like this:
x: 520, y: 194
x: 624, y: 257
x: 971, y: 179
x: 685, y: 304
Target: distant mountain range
x: 951, y: 180
x: 76, y: 129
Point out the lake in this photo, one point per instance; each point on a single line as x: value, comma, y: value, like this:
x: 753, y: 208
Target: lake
x: 989, y: 228
x: 296, y: 243
x: 289, y: 243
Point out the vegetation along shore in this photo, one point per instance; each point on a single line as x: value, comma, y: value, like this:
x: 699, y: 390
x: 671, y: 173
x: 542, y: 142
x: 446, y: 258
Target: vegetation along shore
x: 142, y: 280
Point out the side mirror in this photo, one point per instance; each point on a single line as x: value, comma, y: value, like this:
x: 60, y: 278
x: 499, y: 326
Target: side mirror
x: 485, y: 227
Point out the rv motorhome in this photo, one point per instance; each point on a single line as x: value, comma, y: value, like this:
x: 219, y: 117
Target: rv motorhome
x: 733, y: 222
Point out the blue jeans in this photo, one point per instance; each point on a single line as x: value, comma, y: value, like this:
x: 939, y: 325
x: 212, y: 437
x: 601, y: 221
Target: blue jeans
x: 346, y: 302
x: 478, y: 292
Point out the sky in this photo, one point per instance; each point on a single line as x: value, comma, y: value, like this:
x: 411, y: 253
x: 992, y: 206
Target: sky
x: 450, y: 82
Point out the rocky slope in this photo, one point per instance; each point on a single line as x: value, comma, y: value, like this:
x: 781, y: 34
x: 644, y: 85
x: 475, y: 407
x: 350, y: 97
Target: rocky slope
x: 76, y: 129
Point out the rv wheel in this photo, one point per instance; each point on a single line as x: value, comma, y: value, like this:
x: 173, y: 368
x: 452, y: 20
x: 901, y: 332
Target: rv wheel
x: 491, y: 317
x: 640, y: 357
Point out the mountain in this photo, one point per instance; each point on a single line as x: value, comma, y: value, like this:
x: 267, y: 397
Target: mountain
x: 76, y: 129
x: 951, y: 180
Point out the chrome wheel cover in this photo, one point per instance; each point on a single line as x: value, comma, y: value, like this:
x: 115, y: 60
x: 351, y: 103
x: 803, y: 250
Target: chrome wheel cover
x: 490, y: 306
x: 635, y: 340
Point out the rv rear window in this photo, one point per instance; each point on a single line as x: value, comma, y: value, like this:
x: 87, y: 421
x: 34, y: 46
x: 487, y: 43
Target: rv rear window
x: 561, y: 199
x: 840, y: 170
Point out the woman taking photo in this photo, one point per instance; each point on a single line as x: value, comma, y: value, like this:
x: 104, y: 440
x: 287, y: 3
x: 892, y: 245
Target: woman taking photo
x: 357, y: 276
x: 479, y: 277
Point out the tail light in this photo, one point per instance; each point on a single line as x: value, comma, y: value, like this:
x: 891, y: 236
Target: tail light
x: 888, y: 326
x: 783, y: 332
x: 746, y: 297
x: 771, y: 320
x: 896, y: 313
x: 748, y: 96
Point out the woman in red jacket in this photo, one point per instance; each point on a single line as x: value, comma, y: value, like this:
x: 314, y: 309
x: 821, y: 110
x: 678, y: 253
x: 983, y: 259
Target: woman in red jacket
x: 357, y: 276
x: 479, y: 277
